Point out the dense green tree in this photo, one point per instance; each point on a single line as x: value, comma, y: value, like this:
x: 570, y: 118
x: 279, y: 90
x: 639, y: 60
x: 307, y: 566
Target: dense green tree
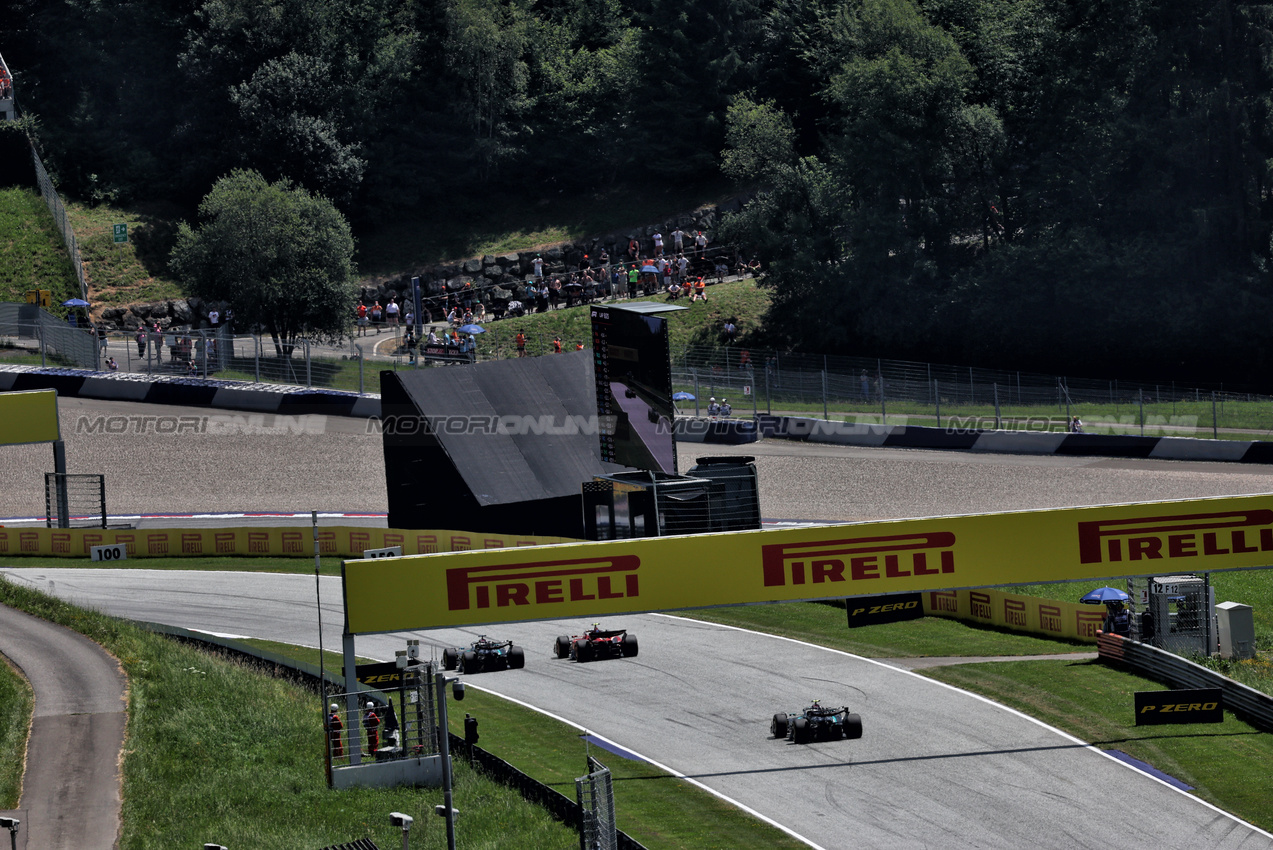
x: 282, y: 257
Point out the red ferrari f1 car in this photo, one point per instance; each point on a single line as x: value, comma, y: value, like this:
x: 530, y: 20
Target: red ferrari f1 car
x: 596, y: 643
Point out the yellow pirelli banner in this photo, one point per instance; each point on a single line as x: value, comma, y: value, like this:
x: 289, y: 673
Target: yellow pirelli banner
x: 345, y: 541
x: 1019, y: 613
x: 29, y: 416
x: 900, y: 556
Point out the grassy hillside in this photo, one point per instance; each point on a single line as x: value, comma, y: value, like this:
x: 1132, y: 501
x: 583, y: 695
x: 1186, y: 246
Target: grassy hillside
x: 32, y: 255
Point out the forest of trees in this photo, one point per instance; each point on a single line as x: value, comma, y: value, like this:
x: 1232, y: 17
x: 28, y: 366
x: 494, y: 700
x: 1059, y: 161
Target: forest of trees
x: 1073, y: 185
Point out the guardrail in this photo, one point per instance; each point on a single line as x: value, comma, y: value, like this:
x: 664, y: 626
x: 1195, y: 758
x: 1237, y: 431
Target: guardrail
x: 1252, y: 706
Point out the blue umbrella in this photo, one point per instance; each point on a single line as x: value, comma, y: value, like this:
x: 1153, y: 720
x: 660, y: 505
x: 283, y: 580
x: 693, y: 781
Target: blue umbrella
x: 682, y: 396
x: 75, y: 302
x: 472, y: 329
x: 1104, y: 594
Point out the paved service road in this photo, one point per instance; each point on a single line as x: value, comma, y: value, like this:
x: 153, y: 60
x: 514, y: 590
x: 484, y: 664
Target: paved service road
x: 72, y: 801
x: 935, y: 766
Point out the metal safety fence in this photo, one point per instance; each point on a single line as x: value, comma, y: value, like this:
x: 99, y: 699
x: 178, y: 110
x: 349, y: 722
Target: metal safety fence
x: 595, y: 793
x: 383, y: 725
x: 58, y: 210
x: 560, y: 806
x: 873, y: 390
x: 74, y: 500
x: 1252, y: 706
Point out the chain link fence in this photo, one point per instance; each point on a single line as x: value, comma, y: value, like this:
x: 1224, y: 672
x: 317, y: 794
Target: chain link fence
x: 54, y: 202
x: 871, y: 390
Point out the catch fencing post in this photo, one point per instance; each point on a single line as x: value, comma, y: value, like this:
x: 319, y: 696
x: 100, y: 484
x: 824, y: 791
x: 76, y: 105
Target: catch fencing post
x: 769, y: 405
x: 309, y: 376
x: 937, y: 399
x: 694, y: 372
x: 256, y: 356
x: 1215, y: 423
x: 825, y: 414
x: 360, y: 361
x: 998, y: 420
x: 1140, y: 398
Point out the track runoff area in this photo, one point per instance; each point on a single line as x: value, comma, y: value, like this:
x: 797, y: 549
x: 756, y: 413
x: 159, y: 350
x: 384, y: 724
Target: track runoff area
x: 569, y: 580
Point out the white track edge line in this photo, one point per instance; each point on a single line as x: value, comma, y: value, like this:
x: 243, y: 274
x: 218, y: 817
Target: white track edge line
x: 1000, y: 706
x: 792, y: 833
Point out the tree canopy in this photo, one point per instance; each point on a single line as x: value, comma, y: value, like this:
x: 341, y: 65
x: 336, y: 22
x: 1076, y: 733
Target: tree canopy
x: 1041, y: 182
x: 281, y: 256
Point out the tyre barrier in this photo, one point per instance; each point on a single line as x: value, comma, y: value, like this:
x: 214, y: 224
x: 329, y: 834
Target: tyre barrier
x: 1247, y: 703
x: 1012, y: 442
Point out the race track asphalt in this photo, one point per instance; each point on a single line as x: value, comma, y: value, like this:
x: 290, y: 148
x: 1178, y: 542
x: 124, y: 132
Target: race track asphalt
x: 935, y: 767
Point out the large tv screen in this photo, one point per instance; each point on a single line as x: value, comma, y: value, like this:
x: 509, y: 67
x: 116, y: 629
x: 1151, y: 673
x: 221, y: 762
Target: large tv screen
x: 634, y: 386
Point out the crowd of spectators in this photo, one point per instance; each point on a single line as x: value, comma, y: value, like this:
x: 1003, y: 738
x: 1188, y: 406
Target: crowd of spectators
x: 677, y: 274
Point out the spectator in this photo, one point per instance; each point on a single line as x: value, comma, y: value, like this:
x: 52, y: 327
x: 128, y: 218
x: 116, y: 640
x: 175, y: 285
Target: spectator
x: 678, y: 240
x: 557, y: 345
x: 391, y: 313
x: 658, y: 244
x: 377, y: 314
x: 634, y: 249
x: 700, y: 243
x: 111, y: 364
x: 361, y: 313
x: 141, y: 341
x: 538, y: 265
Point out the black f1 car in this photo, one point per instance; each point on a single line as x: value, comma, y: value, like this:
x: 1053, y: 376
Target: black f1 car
x: 484, y: 654
x: 596, y: 643
x: 817, y: 723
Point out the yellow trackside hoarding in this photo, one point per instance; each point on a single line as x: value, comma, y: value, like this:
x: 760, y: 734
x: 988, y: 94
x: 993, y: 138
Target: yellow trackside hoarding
x: 28, y: 417
x: 899, y: 556
x: 1018, y: 613
x: 340, y: 541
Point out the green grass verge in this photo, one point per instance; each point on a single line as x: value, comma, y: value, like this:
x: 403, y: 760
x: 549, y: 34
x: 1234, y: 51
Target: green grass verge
x: 15, y: 719
x: 826, y: 625
x: 219, y: 752
x: 1227, y: 763
x: 34, y: 254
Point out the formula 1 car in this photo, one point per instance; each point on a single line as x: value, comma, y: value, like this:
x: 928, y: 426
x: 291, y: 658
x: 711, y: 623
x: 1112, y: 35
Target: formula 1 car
x: 484, y: 655
x: 595, y: 643
x: 817, y: 723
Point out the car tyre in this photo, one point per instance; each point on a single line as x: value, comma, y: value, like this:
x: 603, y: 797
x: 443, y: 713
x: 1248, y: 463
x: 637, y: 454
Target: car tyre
x: 853, y: 726
x: 583, y: 650
x: 629, y: 646
x: 516, y: 658
x: 778, y: 726
x: 450, y: 658
x: 562, y: 647
x: 469, y: 662
x: 801, y: 733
